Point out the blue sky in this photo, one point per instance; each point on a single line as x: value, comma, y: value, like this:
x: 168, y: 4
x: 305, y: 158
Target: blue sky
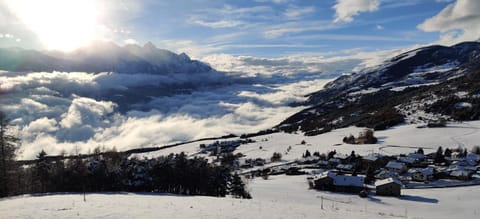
x: 261, y: 28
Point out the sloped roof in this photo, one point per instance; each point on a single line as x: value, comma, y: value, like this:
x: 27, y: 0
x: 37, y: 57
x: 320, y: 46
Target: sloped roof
x: 395, y: 165
x: 344, y: 180
x: 387, y: 181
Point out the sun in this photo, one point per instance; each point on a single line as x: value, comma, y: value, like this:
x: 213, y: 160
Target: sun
x: 59, y: 24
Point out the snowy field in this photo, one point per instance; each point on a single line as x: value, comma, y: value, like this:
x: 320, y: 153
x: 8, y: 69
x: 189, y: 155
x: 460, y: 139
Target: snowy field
x: 278, y: 197
x: 400, y: 139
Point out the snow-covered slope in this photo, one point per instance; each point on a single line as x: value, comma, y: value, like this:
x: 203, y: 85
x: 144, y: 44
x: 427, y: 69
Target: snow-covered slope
x: 277, y: 197
x: 402, y: 139
x: 420, y: 84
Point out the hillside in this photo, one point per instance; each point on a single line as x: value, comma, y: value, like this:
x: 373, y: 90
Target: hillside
x: 420, y: 86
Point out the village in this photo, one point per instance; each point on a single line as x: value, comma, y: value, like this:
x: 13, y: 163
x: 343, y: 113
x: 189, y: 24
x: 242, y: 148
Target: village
x: 370, y: 174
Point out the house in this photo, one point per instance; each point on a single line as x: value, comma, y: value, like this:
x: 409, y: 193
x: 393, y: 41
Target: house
x: 416, y: 156
x: 422, y: 175
x: 408, y: 160
x: 375, y: 160
x: 461, y: 174
x: 396, y: 166
x: 384, y: 174
x: 472, y: 159
x: 345, y: 167
x: 339, y: 183
x: 334, y: 162
x: 322, y: 163
x: 388, y: 187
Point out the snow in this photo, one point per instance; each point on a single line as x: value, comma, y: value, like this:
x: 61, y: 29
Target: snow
x: 403, y: 139
x: 283, y: 196
x: 278, y: 197
x: 387, y: 181
x: 463, y: 105
x: 395, y: 165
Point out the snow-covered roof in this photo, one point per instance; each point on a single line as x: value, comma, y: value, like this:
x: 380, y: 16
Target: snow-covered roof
x: 427, y: 171
x: 416, y: 156
x: 395, y: 165
x: 372, y: 156
x: 344, y: 166
x: 458, y: 173
x: 387, y: 181
x: 472, y: 156
x: 344, y: 180
x: 322, y: 162
x: 334, y: 160
x: 409, y: 160
x: 341, y: 156
x: 347, y: 180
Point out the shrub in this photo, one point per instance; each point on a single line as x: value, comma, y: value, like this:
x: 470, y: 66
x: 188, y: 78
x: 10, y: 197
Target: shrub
x: 276, y: 157
x: 476, y: 149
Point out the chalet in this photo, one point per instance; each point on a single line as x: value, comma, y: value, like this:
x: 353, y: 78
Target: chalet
x: 322, y: 163
x: 410, y: 161
x: 221, y: 146
x: 417, y: 156
x: 422, y: 175
x: 461, y: 174
x: 339, y: 183
x: 341, y: 157
x: 396, y: 166
x: 388, y: 187
x: 472, y: 159
x: 345, y: 167
x: 375, y: 160
x: 384, y: 174
x: 334, y: 162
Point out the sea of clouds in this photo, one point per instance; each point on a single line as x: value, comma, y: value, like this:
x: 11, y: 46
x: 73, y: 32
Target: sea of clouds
x: 70, y: 111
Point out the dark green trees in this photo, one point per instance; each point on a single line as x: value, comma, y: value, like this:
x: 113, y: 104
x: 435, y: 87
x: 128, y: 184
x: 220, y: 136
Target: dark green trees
x: 8, y: 146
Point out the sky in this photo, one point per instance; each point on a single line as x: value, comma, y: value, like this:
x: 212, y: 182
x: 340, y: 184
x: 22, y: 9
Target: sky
x: 269, y: 53
x: 259, y: 28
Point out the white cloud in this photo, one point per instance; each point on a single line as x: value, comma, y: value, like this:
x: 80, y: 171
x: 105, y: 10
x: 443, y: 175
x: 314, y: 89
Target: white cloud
x: 131, y: 42
x: 345, y: 10
x: 379, y: 27
x: 295, y: 12
x: 274, y: 1
x: 276, y: 31
x: 57, y: 111
x: 218, y: 24
x: 458, y: 21
x: 290, y: 65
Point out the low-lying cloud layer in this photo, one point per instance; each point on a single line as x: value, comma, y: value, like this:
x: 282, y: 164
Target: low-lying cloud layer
x: 60, y: 111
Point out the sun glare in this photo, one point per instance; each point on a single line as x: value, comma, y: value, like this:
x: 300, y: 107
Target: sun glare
x: 60, y: 24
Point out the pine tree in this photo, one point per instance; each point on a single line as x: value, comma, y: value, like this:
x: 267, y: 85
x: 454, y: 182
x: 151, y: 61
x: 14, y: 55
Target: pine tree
x: 42, y: 171
x: 439, y: 157
x: 237, y: 187
x: 8, y: 147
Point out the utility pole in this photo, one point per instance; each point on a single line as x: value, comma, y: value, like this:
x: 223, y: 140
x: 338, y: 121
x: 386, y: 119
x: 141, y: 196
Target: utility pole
x: 322, y: 202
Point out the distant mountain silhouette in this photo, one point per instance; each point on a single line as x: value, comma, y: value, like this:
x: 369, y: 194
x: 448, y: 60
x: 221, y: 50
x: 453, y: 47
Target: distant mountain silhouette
x: 102, y: 57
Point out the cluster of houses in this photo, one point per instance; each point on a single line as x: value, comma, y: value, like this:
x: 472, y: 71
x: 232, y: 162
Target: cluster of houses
x: 387, y: 175
x: 219, y: 147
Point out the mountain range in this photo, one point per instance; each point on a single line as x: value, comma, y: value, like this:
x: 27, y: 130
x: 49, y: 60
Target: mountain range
x: 102, y: 56
x: 424, y: 85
